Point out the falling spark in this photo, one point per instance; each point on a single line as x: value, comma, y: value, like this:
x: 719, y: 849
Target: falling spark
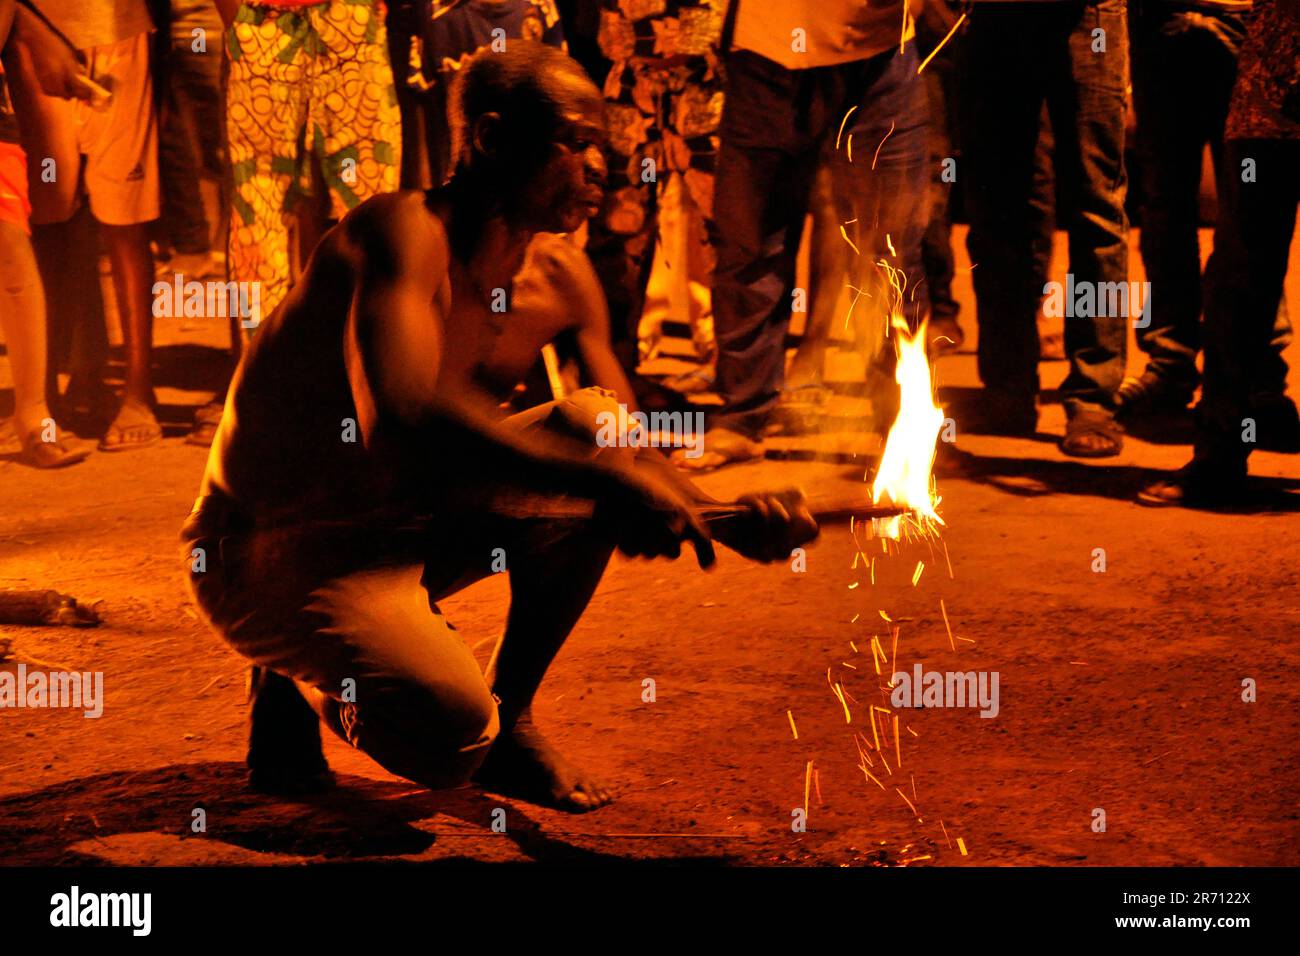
x: 913, y: 776
x: 898, y: 753
x: 871, y: 778
x: 817, y: 785
x: 807, y: 783
x: 882, y: 143
x: 913, y: 732
x: 793, y: 729
x: 850, y: 147
x: 848, y: 718
x: 926, y: 61
x: 845, y: 234
x: 890, y: 243
x: 945, y: 834
x: 844, y: 122
x: 908, y: 802
x: 916, y: 575
x: 961, y: 845
x: 885, y: 616
x: 944, y: 610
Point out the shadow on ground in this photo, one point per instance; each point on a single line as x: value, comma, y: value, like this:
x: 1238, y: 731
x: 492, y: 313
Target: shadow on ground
x: 359, y: 819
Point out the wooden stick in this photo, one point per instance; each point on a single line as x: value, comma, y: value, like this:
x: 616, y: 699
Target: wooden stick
x: 825, y: 509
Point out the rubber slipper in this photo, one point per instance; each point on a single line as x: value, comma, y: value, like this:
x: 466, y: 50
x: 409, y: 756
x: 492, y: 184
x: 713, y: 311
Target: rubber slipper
x: 132, y: 418
x: 722, y: 447
x: 1086, y: 425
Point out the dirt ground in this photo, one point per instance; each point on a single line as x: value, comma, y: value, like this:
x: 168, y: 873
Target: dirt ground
x: 1120, y: 690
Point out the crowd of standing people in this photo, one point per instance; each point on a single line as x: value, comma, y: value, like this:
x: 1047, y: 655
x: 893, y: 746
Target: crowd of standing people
x: 221, y: 139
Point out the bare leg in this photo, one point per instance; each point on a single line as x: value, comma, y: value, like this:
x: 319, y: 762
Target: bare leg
x: 22, y: 319
x: 128, y: 250
x: 521, y: 762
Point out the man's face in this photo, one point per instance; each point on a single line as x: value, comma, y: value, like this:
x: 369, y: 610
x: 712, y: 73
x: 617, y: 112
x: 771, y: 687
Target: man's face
x: 570, y: 187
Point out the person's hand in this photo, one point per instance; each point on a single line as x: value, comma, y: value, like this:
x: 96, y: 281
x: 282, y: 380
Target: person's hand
x: 58, y: 70
x: 773, y: 525
x: 652, y: 517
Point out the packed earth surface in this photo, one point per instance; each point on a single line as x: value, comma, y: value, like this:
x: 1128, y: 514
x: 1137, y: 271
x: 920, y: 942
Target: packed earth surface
x: 1127, y: 643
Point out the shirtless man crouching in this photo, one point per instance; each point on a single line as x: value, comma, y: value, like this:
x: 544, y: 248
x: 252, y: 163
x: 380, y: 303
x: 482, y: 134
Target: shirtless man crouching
x: 358, y: 472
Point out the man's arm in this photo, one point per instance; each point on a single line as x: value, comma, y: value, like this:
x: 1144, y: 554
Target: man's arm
x: 57, y: 69
x: 6, y: 20
x: 395, y: 347
x: 394, y: 350
x: 575, y: 282
x: 580, y: 286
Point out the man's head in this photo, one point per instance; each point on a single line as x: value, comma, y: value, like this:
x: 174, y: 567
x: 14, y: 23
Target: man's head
x: 529, y: 123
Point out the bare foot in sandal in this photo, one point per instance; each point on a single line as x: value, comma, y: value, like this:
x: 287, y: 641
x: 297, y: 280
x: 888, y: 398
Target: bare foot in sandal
x: 44, y: 444
x: 134, y: 427
x: 721, y: 447
x: 1092, y: 434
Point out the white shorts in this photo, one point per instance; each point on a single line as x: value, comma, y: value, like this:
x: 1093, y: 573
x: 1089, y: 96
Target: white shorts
x: 119, y: 141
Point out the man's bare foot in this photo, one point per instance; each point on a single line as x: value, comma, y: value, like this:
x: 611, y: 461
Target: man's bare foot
x: 134, y: 427
x: 523, y: 764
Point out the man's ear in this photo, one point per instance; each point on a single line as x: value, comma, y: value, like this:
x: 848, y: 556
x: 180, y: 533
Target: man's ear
x: 486, y: 135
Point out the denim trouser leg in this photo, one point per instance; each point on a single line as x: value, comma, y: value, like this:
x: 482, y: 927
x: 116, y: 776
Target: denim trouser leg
x: 883, y: 193
x: 1087, y: 98
x: 936, y: 245
x: 1244, y: 288
x: 774, y: 126
x: 1022, y: 55
x: 1184, y: 66
x: 1004, y: 107
x: 769, y: 151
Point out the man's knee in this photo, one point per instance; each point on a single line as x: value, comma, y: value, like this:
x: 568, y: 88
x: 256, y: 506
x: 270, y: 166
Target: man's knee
x: 434, y: 736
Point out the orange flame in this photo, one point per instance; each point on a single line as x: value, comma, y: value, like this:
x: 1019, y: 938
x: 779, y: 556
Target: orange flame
x: 904, y: 477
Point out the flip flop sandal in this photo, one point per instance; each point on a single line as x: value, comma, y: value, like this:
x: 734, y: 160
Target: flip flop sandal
x: 731, y: 450
x: 59, y: 453
x: 206, y: 420
x: 1214, y: 483
x: 815, y: 395
x: 33, y: 451
x: 153, y: 430
x: 691, y: 383
x: 1084, y: 425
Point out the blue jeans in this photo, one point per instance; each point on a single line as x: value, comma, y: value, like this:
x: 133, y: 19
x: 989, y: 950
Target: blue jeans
x: 775, y: 125
x: 1022, y: 55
